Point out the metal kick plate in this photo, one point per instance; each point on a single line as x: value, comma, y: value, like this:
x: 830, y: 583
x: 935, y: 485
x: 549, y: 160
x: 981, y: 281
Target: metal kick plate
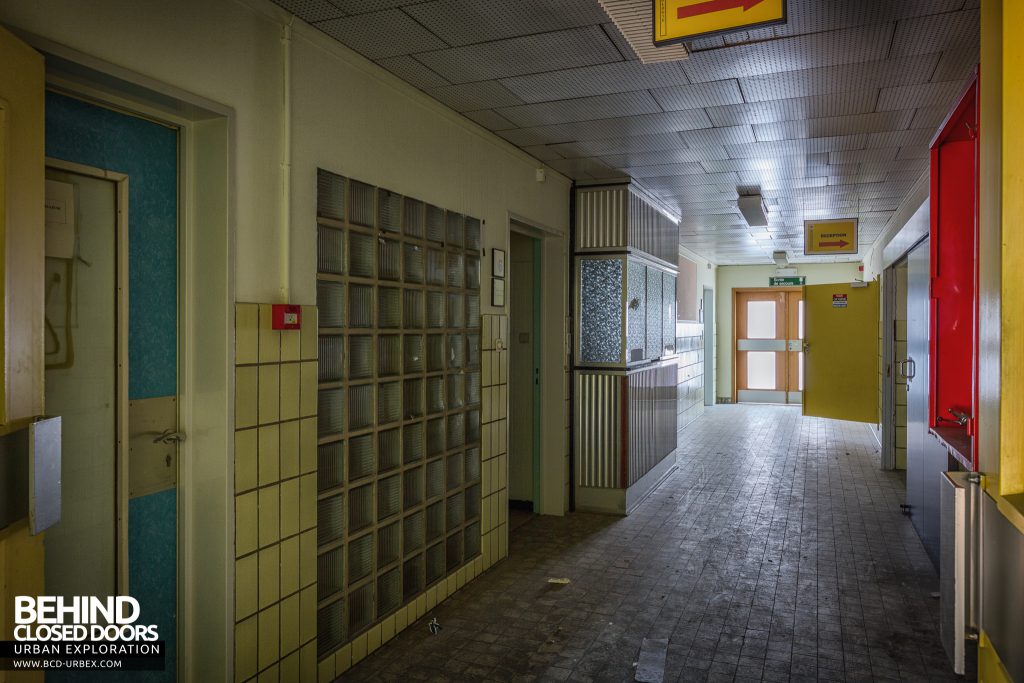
x: 44, y: 473
x: 152, y: 464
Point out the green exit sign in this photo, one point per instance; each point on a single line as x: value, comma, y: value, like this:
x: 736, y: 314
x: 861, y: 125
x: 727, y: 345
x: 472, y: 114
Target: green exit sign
x: 788, y: 281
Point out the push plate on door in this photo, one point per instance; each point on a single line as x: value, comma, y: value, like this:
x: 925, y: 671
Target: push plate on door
x: 152, y: 456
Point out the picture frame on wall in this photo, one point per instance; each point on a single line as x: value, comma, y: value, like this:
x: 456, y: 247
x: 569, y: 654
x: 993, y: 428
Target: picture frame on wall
x: 497, y: 292
x: 498, y: 263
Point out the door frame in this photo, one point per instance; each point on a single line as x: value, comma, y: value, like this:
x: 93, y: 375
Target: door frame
x: 889, y: 306
x: 736, y: 291
x: 708, y: 313
x: 206, y: 301
x: 535, y: 344
x: 120, y: 181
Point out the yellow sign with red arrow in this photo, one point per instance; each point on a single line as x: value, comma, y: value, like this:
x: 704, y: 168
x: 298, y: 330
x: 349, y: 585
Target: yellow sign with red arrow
x: 679, y: 20
x: 828, y: 238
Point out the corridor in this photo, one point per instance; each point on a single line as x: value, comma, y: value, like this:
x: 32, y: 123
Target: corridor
x: 776, y: 552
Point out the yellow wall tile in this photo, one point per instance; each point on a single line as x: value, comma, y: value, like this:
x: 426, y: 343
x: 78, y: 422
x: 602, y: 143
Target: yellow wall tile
x: 402, y: 619
x: 291, y: 668
x: 290, y: 345
x: 503, y: 367
x: 387, y: 628
x: 485, y: 368
x: 290, y: 624
x: 270, y: 675
x: 485, y: 549
x: 502, y: 401
x: 246, y: 470
x: 421, y: 607
x: 309, y: 661
x: 270, y: 515
x: 289, y: 507
x: 307, y: 613
x: 451, y: 585
x: 373, y: 639
x: 503, y: 541
x: 502, y: 472
x: 485, y: 404
x: 307, y: 558
x: 246, y: 339
x: 289, y: 449
x: 308, y: 346
x: 487, y: 332
x: 307, y: 501
x: 359, y: 651
x: 270, y: 339
x: 245, y: 649
x: 269, y: 454
x: 503, y: 333
x: 485, y: 515
x: 307, y: 445
x: 270, y: 576
x: 289, y: 565
x: 343, y: 659
x: 502, y: 444
x: 246, y: 390
x: 246, y: 523
x: 289, y: 391
x: 308, y: 385
x: 246, y: 587
x: 269, y: 624
x: 325, y: 670
x: 269, y: 393
x: 431, y: 597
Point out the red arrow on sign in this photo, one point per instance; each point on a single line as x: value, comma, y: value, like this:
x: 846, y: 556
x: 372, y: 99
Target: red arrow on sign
x: 715, y: 6
x: 840, y: 243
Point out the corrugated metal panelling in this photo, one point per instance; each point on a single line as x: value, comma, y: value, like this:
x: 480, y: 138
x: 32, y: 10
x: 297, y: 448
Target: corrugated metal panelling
x: 601, y: 217
x: 598, y: 428
x: 652, y: 231
x: 652, y: 418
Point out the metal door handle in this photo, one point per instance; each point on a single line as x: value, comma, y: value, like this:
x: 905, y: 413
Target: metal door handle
x: 961, y: 418
x: 169, y: 436
x: 913, y: 368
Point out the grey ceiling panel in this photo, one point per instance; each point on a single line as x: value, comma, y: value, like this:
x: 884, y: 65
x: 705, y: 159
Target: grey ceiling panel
x: 929, y: 118
x: 661, y: 170
x: 527, y: 137
x: 668, y: 155
x: 918, y: 152
x: 523, y: 55
x: 903, y: 138
x: 470, y: 96
x: 412, y: 72
x: 937, y: 33
x: 542, y: 152
x: 619, y: 40
x: 576, y: 167
x: 698, y: 95
x: 363, y: 6
x: 381, y: 34
x: 659, y: 143
x: 798, y: 162
x: 462, y: 22
x: 844, y: 78
x: 783, y: 148
x: 861, y: 155
x: 731, y: 135
x: 311, y: 11
x: 624, y: 126
x: 941, y: 94
x: 818, y: 106
x: 599, y: 79
x: 861, y: 44
x: 490, y: 119
x: 956, y: 65
x: 808, y: 16
x: 836, y: 125
x: 582, y: 109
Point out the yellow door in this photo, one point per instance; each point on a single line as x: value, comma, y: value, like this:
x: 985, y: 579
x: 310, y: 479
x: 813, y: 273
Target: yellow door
x: 841, y: 352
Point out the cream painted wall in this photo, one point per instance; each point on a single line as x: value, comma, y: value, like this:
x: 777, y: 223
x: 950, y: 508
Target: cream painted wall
x: 731, y: 277
x: 706, y: 276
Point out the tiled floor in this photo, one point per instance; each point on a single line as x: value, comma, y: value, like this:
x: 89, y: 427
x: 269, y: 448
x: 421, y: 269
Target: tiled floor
x: 776, y: 552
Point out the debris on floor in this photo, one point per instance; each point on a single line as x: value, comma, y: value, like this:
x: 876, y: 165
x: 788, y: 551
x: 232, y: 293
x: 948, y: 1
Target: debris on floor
x: 650, y: 668
x: 559, y: 582
x: 434, y: 626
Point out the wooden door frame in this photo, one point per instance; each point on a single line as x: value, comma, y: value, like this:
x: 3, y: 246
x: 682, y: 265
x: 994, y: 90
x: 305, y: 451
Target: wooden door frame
x: 736, y: 291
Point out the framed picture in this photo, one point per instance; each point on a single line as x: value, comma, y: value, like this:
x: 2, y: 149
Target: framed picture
x: 498, y: 262
x: 497, y: 292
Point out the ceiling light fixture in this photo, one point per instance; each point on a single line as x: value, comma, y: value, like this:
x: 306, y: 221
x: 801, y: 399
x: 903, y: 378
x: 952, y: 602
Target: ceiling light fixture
x: 753, y: 209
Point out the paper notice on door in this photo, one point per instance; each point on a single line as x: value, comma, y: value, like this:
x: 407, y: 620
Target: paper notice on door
x: 839, y: 301
x: 60, y: 220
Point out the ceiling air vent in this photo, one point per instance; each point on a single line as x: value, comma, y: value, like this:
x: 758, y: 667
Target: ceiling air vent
x: 753, y: 210
x: 635, y: 19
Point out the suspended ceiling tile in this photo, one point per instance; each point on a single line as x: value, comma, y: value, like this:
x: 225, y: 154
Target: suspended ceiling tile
x: 462, y: 22
x: 470, y: 96
x: 676, y: 155
x: 806, y: 16
x: 860, y: 44
x: 713, y: 137
x: 956, y: 65
x: 412, y: 72
x: 311, y: 11
x: 777, y: 148
x: 542, y: 152
x: 818, y: 106
x: 381, y: 34
x: 894, y: 166
x: 917, y: 152
x: 929, y: 118
x: 862, y: 155
x: 615, y: 35
x: 582, y: 109
x: 660, y: 170
x: 698, y: 95
x: 867, y: 76
x: 523, y: 55
x: 599, y: 79
x: 490, y: 119
x: 624, y: 126
x: 761, y: 164
x: 836, y: 125
x: 903, y: 138
x: 658, y: 143
x: 941, y: 94
x: 364, y: 6
x: 937, y: 33
x: 528, y: 137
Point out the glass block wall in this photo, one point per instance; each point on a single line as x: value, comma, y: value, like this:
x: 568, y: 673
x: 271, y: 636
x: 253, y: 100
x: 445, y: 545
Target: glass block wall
x: 398, y: 503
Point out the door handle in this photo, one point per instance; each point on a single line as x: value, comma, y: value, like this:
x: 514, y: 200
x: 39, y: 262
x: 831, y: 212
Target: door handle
x: 909, y: 363
x: 169, y: 436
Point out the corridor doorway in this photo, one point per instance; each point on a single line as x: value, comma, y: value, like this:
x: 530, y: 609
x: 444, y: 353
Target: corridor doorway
x: 524, y: 290
x: 768, y: 326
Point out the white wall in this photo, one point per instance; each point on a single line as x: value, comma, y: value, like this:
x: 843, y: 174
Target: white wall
x: 732, y: 277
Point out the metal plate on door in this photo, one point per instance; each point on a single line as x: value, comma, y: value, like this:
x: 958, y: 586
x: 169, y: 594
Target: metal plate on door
x: 152, y: 445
